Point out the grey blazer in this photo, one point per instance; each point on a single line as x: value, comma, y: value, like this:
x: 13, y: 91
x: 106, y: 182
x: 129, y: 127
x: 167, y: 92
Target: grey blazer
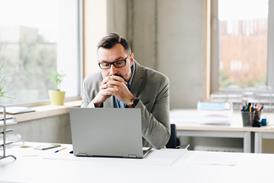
x: 152, y: 90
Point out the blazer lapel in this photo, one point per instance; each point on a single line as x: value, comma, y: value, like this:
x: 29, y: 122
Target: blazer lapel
x: 137, y: 81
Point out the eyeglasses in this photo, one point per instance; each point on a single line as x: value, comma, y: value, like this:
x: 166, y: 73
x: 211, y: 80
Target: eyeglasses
x: 116, y: 64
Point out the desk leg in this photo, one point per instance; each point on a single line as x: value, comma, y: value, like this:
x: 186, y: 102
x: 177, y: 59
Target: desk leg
x: 258, y: 142
x: 247, y: 142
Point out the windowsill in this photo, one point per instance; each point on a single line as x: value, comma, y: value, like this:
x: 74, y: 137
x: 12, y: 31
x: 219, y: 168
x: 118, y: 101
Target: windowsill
x: 46, y: 111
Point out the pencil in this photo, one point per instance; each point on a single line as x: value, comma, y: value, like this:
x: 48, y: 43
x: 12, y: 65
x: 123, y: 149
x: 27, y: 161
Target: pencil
x: 60, y: 149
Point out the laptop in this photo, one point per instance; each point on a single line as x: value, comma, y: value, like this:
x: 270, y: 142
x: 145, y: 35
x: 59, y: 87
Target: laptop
x: 107, y: 132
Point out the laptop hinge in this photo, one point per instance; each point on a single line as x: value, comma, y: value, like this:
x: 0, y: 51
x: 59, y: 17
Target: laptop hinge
x: 132, y: 155
x: 82, y: 154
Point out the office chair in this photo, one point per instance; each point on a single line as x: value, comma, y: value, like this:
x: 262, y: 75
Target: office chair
x: 174, y: 141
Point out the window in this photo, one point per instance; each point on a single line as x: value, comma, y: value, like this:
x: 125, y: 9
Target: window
x: 242, y: 33
x: 37, y: 38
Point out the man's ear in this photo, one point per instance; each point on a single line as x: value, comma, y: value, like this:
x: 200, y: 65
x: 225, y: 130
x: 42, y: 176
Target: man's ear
x: 131, y: 58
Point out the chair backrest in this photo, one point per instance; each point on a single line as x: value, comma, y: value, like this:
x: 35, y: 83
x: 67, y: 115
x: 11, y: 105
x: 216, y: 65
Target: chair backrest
x: 174, y: 141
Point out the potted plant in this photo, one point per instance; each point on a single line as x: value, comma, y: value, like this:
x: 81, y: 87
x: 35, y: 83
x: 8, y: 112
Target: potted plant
x: 57, y: 97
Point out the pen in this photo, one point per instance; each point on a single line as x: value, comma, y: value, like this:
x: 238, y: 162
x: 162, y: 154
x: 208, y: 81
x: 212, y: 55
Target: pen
x: 46, y: 147
x: 60, y: 149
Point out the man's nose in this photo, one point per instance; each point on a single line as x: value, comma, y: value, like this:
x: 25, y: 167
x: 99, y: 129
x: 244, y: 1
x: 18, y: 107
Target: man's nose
x: 112, y: 70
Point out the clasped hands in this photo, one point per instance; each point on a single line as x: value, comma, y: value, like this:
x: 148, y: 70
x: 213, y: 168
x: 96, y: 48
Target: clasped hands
x: 113, y: 86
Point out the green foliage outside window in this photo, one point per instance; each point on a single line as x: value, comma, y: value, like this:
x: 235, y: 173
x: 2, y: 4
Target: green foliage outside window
x: 27, y: 63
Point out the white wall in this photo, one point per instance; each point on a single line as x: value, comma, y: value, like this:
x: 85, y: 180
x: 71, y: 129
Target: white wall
x: 180, y: 50
x: 144, y: 31
x: 117, y: 16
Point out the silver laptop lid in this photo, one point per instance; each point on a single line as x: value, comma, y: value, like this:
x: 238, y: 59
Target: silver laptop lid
x: 106, y: 132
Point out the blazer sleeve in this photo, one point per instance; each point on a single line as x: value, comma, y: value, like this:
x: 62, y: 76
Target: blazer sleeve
x: 155, y: 124
x: 90, y: 88
x: 85, y: 95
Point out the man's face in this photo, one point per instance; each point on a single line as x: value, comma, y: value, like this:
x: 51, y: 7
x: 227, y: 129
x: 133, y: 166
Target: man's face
x: 116, y: 54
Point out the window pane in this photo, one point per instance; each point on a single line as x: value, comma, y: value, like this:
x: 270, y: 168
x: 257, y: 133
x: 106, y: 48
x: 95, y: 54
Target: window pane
x: 37, y: 38
x: 242, y: 43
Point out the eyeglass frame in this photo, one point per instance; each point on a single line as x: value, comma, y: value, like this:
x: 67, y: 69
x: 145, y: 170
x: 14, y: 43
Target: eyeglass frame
x: 124, y: 60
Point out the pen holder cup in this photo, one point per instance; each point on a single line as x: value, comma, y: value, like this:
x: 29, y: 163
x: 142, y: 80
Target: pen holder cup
x: 248, y: 118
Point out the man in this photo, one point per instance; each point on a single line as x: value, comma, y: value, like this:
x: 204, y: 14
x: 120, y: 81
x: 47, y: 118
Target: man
x: 123, y: 82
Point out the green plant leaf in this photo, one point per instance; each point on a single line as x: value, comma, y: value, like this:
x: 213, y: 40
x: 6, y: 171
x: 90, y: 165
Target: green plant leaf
x: 57, y: 79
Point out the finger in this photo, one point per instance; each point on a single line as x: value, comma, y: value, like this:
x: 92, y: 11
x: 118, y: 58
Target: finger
x: 117, y: 78
x: 112, y: 84
x: 106, y: 79
x: 115, y: 83
x: 103, y: 86
x: 109, y: 91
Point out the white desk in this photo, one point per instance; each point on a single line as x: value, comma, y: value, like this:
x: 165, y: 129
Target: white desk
x: 229, y: 125
x: 161, y: 166
x: 211, y: 124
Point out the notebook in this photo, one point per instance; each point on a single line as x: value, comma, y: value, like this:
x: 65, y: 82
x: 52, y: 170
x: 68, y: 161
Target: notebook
x: 107, y: 132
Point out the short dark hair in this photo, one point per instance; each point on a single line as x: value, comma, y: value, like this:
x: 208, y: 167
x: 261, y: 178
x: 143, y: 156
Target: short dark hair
x: 110, y: 40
